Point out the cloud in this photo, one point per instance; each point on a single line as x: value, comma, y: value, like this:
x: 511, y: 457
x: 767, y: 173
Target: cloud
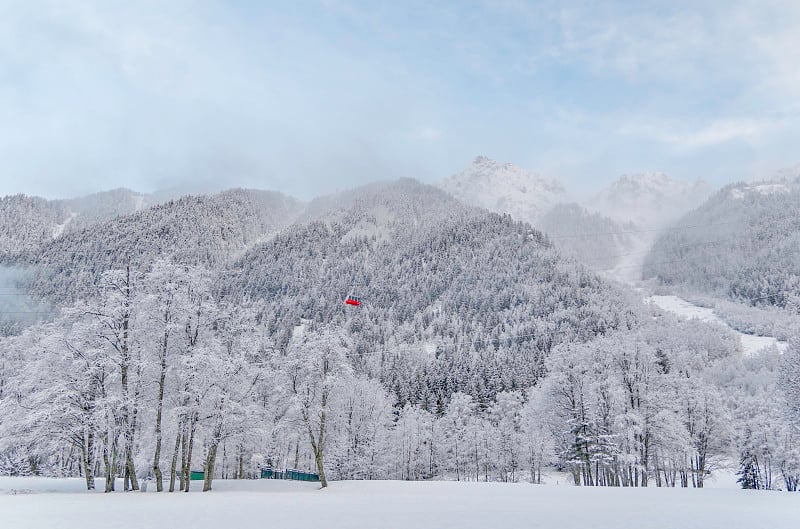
x: 309, y: 97
x: 429, y: 134
x: 147, y: 95
x: 682, y: 136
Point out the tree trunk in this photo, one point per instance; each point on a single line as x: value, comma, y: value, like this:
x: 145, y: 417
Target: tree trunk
x: 458, y: 470
x: 111, y: 467
x: 477, y: 461
x: 211, y: 460
x: 131, y: 471
x: 208, y: 474
x: 241, y: 462
x: 320, y: 468
x: 184, y: 475
x: 87, y: 452
x: 188, y: 470
x: 701, y: 470
x: 128, y: 418
x: 174, y: 465
x: 159, y: 408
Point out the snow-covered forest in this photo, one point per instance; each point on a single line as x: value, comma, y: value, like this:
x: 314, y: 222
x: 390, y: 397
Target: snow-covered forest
x: 742, y: 244
x: 209, y: 333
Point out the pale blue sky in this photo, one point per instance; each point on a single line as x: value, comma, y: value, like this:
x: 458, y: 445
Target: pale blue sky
x: 310, y: 96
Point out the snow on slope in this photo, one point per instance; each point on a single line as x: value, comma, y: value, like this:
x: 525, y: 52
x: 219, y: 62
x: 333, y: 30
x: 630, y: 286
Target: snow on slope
x: 505, y: 188
x: 649, y: 199
x: 628, y: 269
x: 750, y: 343
x: 58, y: 229
x: 395, y: 504
x: 764, y: 188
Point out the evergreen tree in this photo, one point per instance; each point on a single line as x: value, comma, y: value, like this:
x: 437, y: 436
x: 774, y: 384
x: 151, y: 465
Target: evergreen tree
x: 749, y: 475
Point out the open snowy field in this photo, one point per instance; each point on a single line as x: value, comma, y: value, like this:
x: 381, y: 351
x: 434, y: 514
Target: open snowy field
x: 750, y: 343
x: 43, y: 503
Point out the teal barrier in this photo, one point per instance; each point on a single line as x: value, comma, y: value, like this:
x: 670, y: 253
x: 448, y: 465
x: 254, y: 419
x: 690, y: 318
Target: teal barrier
x: 288, y: 473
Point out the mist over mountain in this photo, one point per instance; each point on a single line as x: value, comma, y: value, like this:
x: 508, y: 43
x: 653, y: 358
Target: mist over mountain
x: 648, y: 199
x: 505, y: 188
x: 610, y: 233
x: 593, y: 239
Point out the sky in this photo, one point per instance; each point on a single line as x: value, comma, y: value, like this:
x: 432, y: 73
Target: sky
x: 313, y: 96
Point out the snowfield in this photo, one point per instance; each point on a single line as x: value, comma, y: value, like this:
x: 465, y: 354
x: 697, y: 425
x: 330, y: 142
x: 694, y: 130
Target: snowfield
x: 39, y: 503
x: 750, y: 343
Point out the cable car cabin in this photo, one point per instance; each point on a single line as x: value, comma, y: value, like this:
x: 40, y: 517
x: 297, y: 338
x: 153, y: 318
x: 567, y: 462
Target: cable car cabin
x: 352, y: 300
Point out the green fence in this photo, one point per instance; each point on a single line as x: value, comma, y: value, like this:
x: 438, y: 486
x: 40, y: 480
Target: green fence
x: 289, y: 473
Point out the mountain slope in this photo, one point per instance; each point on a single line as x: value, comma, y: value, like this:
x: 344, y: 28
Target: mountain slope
x: 207, y: 230
x: 26, y: 223
x: 480, y: 296
x: 743, y: 243
x: 504, y: 188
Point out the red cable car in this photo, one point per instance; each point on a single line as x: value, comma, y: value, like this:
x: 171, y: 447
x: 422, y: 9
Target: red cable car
x: 352, y: 300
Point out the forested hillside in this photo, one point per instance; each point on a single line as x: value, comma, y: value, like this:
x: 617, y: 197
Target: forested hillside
x: 743, y: 244
x: 26, y: 223
x: 432, y: 273
x: 202, y: 230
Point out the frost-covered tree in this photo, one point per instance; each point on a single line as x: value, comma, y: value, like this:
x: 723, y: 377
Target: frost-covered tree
x: 790, y: 381
x: 358, y: 437
x: 316, y: 367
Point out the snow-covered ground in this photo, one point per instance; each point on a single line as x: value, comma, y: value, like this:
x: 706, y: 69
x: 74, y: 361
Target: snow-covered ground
x: 58, y: 229
x: 628, y: 269
x: 750, y: 343
x: 392, y: 504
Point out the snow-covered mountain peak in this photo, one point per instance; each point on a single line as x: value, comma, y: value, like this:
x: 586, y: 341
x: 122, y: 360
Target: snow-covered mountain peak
x: 505, y: 188
x: 649, y: 199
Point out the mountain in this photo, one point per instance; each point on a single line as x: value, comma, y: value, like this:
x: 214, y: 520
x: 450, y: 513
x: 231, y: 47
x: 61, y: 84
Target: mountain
x: 196, y: 230
x: 648, y: 199
x: 504, y: 188
x: 431, y: 272
x: 469, y: 319
x: 743, y: 243
x: 27, y: 223
x: 593, y: 238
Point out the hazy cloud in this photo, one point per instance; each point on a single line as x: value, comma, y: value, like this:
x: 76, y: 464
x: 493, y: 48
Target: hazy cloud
x: 308, y: 96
